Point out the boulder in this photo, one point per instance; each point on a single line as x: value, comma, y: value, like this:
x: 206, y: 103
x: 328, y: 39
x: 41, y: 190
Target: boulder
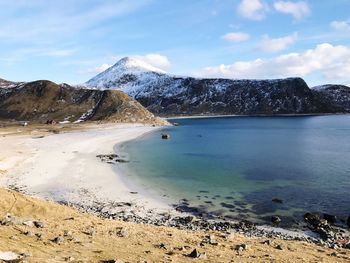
x: 332, y: 219
x: 165, y: 136
x: 276, y: 219
x: 277, y: 200
x: 196, y: 254
x: 348, y: 221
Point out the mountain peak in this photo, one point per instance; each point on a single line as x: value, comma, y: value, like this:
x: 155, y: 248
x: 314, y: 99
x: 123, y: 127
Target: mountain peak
x: 124, y: 70
x: 135, y: 64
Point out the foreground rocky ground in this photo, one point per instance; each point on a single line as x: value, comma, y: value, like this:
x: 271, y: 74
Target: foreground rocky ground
x: 42, y: 231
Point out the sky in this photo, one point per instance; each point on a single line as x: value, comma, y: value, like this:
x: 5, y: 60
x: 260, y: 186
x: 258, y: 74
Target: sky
x: 73, y: 40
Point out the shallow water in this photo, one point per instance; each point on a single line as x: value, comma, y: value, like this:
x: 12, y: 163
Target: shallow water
x: 234, y: 167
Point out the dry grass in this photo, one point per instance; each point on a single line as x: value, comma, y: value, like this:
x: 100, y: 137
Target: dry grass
x: 141, y: 243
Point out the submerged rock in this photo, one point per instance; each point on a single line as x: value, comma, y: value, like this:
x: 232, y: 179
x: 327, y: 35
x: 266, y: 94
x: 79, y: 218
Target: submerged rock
x: 277, y: 200
x: 276, y: 219
x: 332, y: 219
x: 165, y: 136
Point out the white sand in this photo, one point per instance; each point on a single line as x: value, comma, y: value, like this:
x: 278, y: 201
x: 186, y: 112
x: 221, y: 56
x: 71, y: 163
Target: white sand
x: 65, y: 167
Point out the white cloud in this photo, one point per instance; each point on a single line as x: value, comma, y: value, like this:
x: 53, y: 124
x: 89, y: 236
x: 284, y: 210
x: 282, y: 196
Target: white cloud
x: 236, y: 36
x: 340, y: 25
x: 252, y: 9
x: 276, y: 44
x: 331, y: 62
x: 62, y: 18
x: 99, y: 69
x: 156, y: 60
x: 297, y: 9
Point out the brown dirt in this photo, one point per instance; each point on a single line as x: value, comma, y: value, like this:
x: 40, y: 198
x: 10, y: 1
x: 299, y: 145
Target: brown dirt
x: 141, y: 243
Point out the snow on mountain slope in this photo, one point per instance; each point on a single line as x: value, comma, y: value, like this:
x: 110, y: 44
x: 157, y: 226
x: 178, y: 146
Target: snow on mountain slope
x: 124, y: 74
x: 166, y: 94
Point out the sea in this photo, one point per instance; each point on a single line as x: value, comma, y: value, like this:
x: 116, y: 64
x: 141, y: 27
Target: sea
x: 247, y: 167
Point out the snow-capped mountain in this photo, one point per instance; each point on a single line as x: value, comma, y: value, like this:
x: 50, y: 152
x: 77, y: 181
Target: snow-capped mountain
x: 166, y: 94
x: 129, y: 73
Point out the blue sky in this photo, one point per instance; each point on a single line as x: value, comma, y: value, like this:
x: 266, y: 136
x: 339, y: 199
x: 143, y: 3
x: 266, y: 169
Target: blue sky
x: 72, y: 40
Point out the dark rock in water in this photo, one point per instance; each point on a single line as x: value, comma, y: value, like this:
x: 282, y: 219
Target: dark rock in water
x: 165, y: 136
x: 204, y: 191
x: 332, y: 219
x: 276, y: 219
x: 348, y: 221
x: 277, y: 200
x: 227, y: 205
x: 314, y: 220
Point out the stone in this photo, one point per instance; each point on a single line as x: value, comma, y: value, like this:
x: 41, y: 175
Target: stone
x: 194, y: 254
x: 165, y: 136
x: 267, y: 242
x: 242, y: 247
x: 123, y: 232
x: 212, y: 240
x: 348, y: 221
x: 332, y: 219
x: 112, y: 261
x: 28, y: 223
x: 279, y: 247
x: 10, y: 256
x: 162, y: 246
x: 276, y: 219
x: 67, y: 233
x: 277, y: 200
x: 29, y: 233
x: 69, y: 259
x: 58, y: 240
x: 39, y: 224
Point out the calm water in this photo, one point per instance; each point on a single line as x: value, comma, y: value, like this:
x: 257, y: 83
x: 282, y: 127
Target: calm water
x: 234, y: 167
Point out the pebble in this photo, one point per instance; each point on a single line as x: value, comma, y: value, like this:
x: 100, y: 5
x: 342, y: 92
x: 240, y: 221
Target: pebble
x: 279, y: 247
x: 128, y: 212
x: 28, y: 223
x: 39, y: 224
x: 196, y: 254
x: 58, y: 240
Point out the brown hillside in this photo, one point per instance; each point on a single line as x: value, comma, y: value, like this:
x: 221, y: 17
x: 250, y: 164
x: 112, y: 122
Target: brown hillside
x: 44, y: 100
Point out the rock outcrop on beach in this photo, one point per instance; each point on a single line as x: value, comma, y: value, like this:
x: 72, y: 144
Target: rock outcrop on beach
x: 166, y: 94
x: 46, y: 101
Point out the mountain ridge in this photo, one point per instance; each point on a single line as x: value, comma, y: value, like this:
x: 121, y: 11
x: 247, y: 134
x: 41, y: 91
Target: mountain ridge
x: 168, y: 95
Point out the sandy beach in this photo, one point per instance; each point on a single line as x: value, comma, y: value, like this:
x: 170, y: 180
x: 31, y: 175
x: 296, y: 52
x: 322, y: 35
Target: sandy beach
x: 64, y: 167
x: 60, y: 164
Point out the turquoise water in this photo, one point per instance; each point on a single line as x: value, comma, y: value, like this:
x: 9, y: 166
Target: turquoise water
x: 233, y: 167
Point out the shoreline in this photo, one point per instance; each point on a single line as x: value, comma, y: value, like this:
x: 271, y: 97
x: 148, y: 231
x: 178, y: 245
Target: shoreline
x: 64, y: 168
x: 179, y: 117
